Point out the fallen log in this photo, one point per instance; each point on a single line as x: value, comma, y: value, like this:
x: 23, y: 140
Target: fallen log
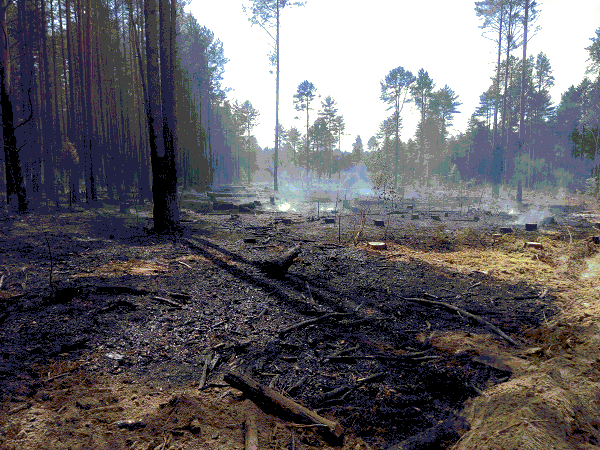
x: 463, y: 312
x: 272, y: 399
x: 279, y: 266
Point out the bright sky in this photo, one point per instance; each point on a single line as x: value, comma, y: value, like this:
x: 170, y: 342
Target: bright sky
x: 345, y: 48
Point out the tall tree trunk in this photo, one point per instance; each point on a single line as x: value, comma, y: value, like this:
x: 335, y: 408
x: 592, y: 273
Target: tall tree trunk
x: 48, y: 123
x: 509, y: 37
x: 144, y: 172
x: 90, y: 180
x: 496, y: 147
x: 72, y: 132
x: 275, y: 187
x: 307, y: 142
x: 102, y: 121
x: 160, y: 80
x: 498, y: 79
x: 248, y: 141
x: 523, y: 73
x: 58, y: 115
x: 397, y: 137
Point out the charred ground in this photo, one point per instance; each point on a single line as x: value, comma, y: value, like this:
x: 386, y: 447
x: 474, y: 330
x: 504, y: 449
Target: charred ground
x: 161, y: 310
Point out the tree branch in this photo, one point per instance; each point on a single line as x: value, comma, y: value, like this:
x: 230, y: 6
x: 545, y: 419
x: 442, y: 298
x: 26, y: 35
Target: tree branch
x: 30, y: 109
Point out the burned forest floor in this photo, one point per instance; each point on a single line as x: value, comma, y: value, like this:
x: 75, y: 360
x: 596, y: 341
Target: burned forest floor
x: 452, y: 336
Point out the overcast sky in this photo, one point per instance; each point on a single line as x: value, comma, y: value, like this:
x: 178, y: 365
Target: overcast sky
x: 345, y: 48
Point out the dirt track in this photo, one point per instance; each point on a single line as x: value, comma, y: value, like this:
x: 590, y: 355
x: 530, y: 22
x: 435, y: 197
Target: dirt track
x: 83, y: 360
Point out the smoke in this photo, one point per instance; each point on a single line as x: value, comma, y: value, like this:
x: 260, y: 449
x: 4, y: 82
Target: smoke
x: 533, y: 215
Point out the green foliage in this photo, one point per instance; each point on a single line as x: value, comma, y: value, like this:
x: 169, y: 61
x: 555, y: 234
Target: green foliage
x: 304, y: 95
x: 357, y: 151
x: 444, y: 104
x: 592, y: 187
x: 422, y: 91
x: 562, y: 177
x: 594, y: 59
x: 396, y: 87
x: 264, y: 12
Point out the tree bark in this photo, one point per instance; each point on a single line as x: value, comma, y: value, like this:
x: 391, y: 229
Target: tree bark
x: 496, y: 148
x: 154, y: 112
x: 48, y: 125
x: 523, y: 73
x: 166, y: 214
x: 72, y: 133
x: 58, y: 115
x: 506, y: 132
x: 275, y: 187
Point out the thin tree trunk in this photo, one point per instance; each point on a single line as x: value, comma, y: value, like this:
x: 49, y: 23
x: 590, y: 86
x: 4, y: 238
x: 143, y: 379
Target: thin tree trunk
x: 56, y: 129
x: 505, y: 93
x: 90, y: 181
x: 47, y: 122
x: 72, y: 132
x: 498, y: 79
x: 524, y: 70
x: 275, y: 187
x: 497, y: 149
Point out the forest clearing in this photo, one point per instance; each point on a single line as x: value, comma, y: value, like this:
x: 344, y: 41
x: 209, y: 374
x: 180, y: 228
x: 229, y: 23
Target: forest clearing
x: 167, y: 282
x: 448, y: 338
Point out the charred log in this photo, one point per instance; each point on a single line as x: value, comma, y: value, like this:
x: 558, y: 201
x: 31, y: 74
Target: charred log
x: 278, y: 267
x: 272, y: 401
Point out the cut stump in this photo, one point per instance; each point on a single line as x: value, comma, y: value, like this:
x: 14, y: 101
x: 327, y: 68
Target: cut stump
x: 378, y: 245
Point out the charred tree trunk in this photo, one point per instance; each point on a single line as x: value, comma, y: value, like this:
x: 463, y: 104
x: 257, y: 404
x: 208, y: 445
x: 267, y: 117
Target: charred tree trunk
x: 48, y: 123
x: 72, y: 132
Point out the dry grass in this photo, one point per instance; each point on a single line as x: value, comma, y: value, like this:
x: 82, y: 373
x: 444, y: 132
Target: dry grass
x: 557, y: 267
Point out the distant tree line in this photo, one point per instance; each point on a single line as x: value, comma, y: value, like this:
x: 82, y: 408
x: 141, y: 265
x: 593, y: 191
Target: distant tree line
x: 515, y: 134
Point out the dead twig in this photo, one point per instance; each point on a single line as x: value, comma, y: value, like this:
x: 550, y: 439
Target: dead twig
x: 570, y: 236
x: 19, y: 408
x: 460, y: 311
x: 184, y: 264
x: 306, y: 323
x: 168, y: 302
x: 343, y: 391
x: 292, y: 390
x: 181, y: 295
x: 207, y: 359
x: 51, y: 261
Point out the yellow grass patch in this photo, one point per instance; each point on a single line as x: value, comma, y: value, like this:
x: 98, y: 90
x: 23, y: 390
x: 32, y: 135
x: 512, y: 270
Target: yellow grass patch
x: 131, y: 267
